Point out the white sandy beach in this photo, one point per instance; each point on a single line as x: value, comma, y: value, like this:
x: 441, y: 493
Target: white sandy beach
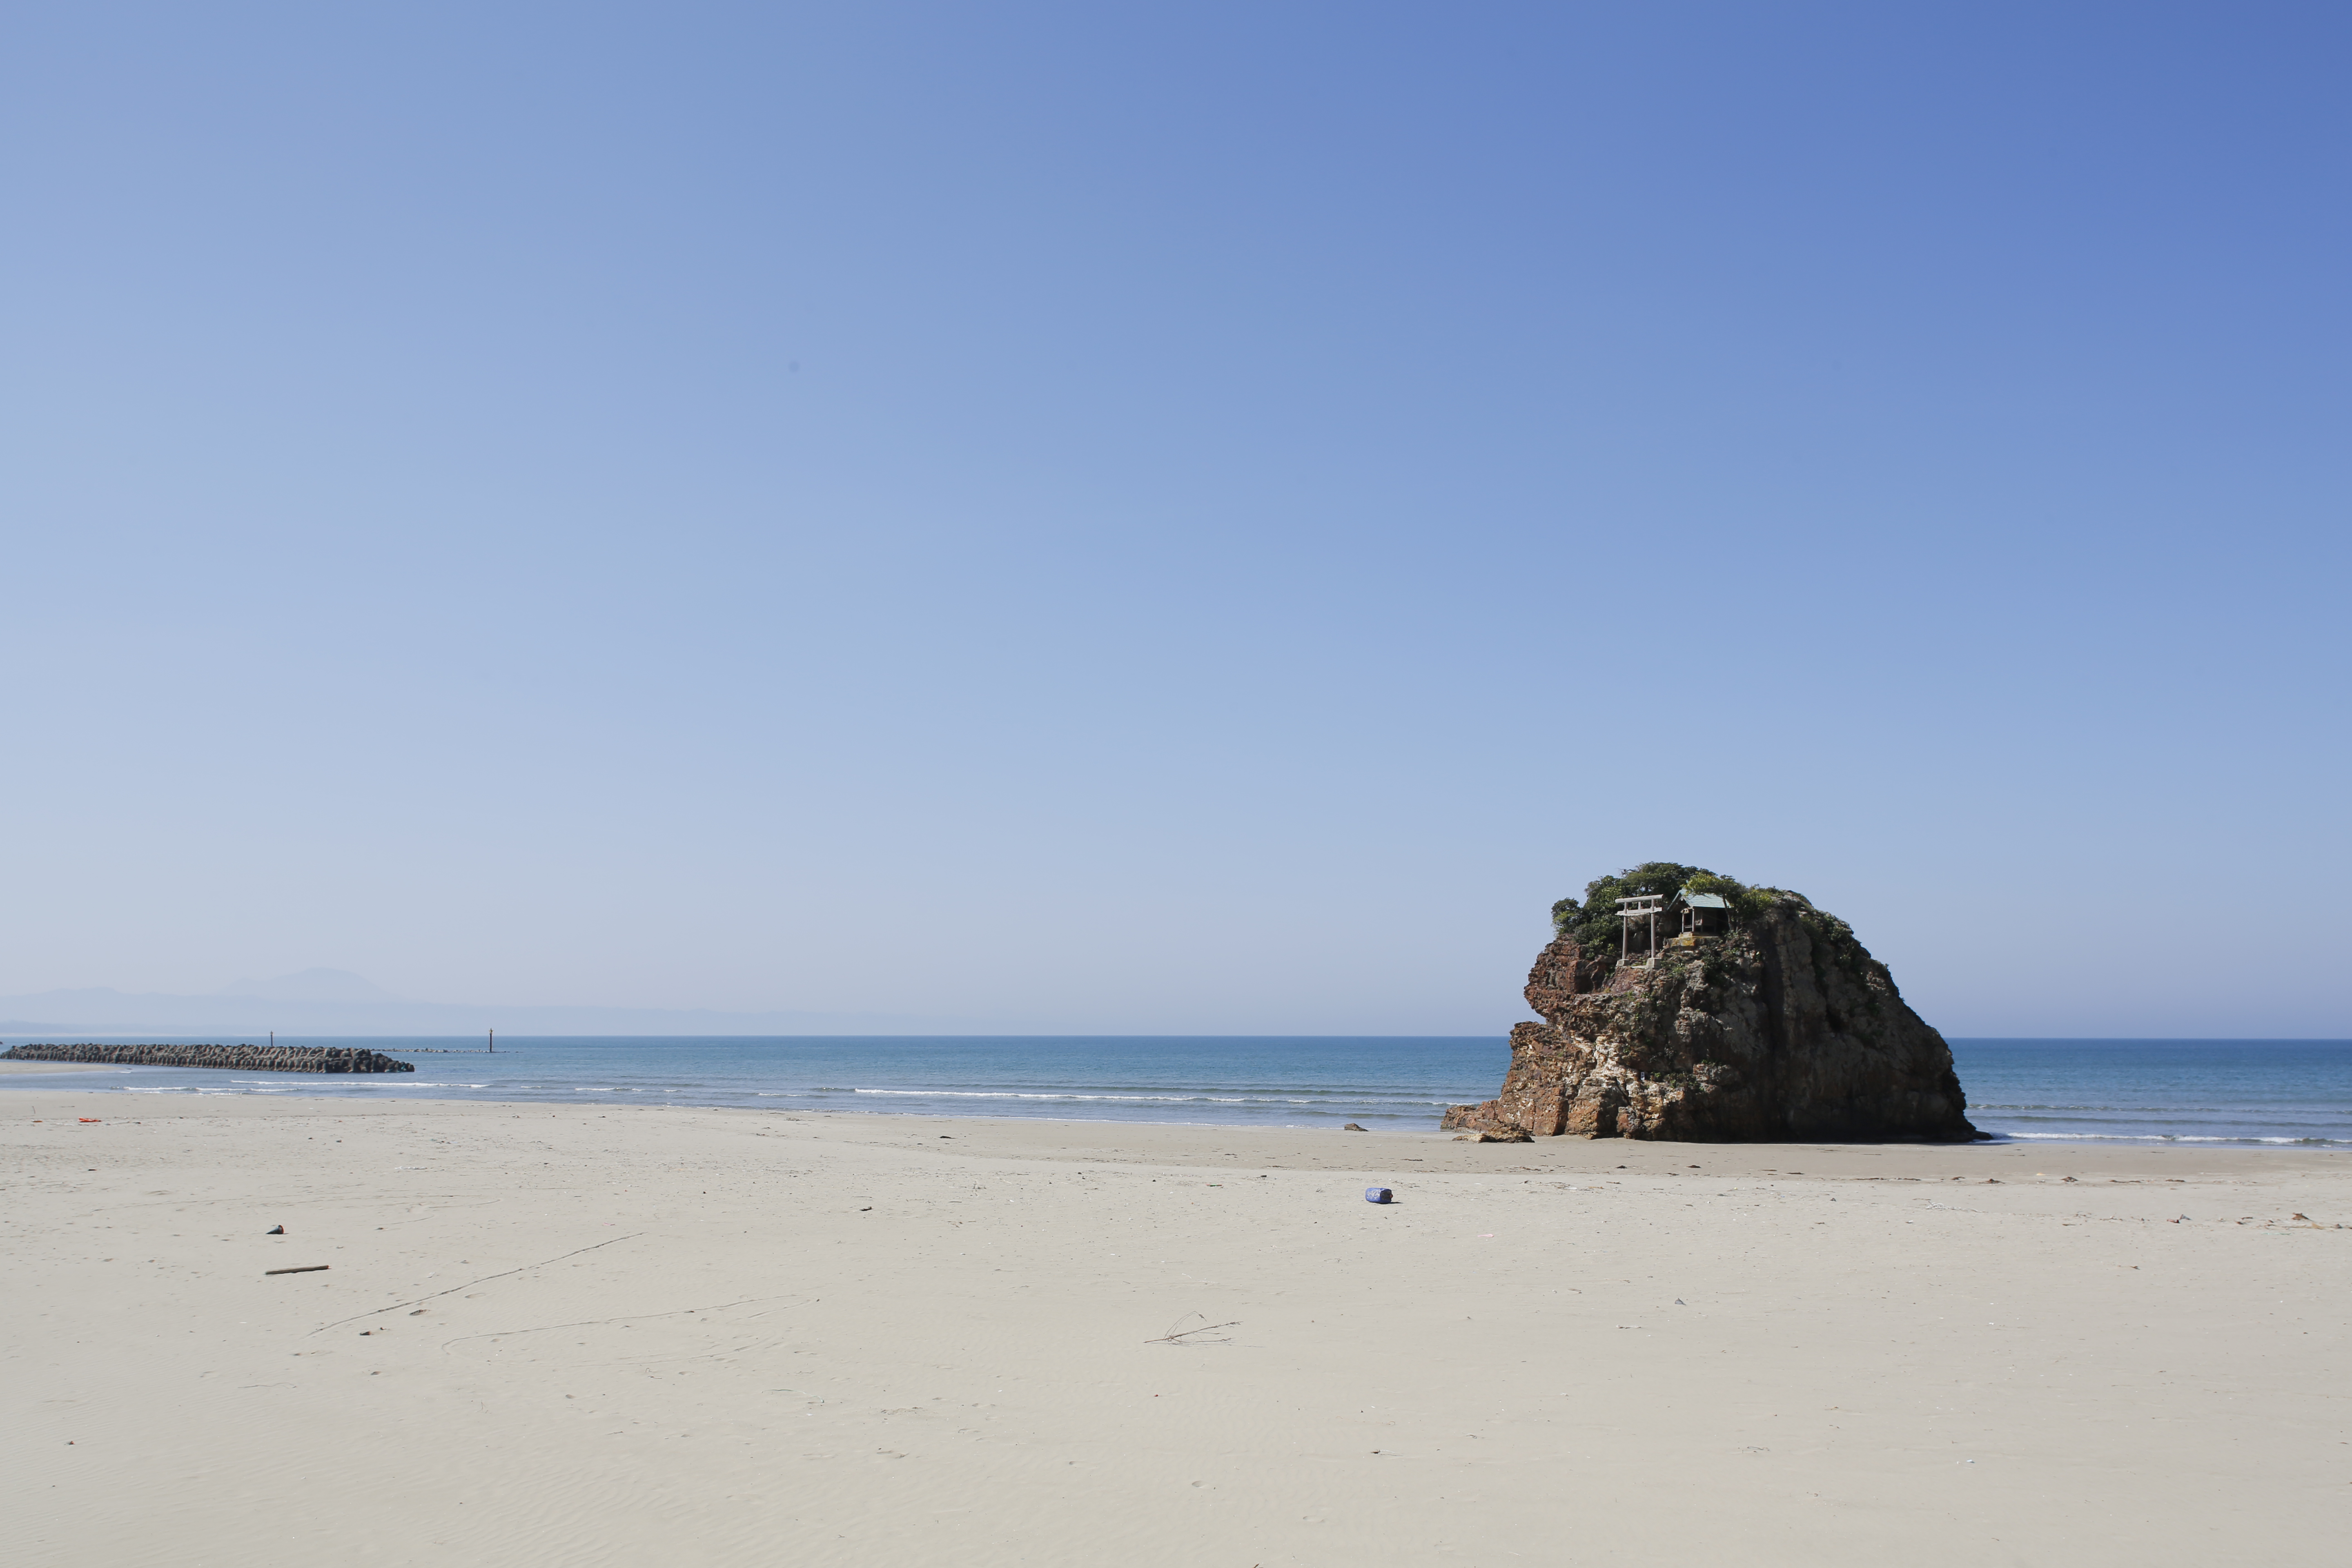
x: 647, y: 1336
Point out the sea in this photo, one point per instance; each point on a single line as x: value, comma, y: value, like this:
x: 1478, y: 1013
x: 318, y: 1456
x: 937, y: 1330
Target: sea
x: 2277, y: 1093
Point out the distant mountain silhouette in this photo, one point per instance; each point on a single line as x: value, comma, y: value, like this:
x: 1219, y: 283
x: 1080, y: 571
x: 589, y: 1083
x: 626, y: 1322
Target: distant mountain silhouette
x: 313, y: 986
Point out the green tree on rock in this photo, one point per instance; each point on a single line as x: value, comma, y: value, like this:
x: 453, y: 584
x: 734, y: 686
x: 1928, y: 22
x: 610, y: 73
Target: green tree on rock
x: 1593, y: 920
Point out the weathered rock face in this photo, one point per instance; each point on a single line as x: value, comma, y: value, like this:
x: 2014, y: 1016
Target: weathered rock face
x: 245, y: 1058
x: 1784, y: 1029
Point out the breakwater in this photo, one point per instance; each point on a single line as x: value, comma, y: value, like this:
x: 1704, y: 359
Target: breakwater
x: 243, y: 1059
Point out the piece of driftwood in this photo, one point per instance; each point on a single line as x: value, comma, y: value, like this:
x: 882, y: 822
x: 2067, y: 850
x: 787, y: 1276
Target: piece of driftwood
x: 306, y: 1268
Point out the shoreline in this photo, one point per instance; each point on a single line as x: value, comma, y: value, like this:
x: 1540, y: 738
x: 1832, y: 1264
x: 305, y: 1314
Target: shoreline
x: 2152, y: 1093
x: 368, y: 1086
x: 1325, y: 1148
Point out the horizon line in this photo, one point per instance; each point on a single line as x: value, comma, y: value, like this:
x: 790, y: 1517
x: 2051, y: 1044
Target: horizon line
x: 1226, y: 1035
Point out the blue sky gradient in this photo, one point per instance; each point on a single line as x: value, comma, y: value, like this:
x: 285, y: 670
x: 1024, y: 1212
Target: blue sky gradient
x: 1182, y: 518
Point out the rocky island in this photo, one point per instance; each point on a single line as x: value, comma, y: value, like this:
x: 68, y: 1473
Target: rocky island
x: 1681, y: 1005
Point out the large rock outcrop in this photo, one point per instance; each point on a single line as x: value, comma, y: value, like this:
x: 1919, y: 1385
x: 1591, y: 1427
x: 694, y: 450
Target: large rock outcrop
x: 1781, y: 1028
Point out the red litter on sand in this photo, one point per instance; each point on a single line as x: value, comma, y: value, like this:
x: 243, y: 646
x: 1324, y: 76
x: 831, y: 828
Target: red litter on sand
x: 89, y: 1119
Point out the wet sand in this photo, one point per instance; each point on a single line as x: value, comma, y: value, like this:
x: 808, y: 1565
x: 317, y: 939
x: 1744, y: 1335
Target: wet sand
x: 12, y: 1069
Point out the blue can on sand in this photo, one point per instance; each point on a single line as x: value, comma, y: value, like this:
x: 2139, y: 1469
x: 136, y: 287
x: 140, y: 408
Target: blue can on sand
x: 1379, y: 1196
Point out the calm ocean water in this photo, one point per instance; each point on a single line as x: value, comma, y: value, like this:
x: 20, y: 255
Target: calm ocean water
x: 2279, y: 1092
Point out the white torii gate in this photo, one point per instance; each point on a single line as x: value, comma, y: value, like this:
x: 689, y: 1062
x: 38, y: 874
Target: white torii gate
x: 1642, y: 905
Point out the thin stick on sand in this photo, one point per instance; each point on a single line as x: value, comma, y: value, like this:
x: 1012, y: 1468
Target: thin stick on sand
x: 502, y: 1274
x: 1184, y: 1337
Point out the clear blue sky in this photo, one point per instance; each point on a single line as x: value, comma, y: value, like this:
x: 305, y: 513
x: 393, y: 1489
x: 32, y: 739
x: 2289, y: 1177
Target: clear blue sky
x: 1175, y: 518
